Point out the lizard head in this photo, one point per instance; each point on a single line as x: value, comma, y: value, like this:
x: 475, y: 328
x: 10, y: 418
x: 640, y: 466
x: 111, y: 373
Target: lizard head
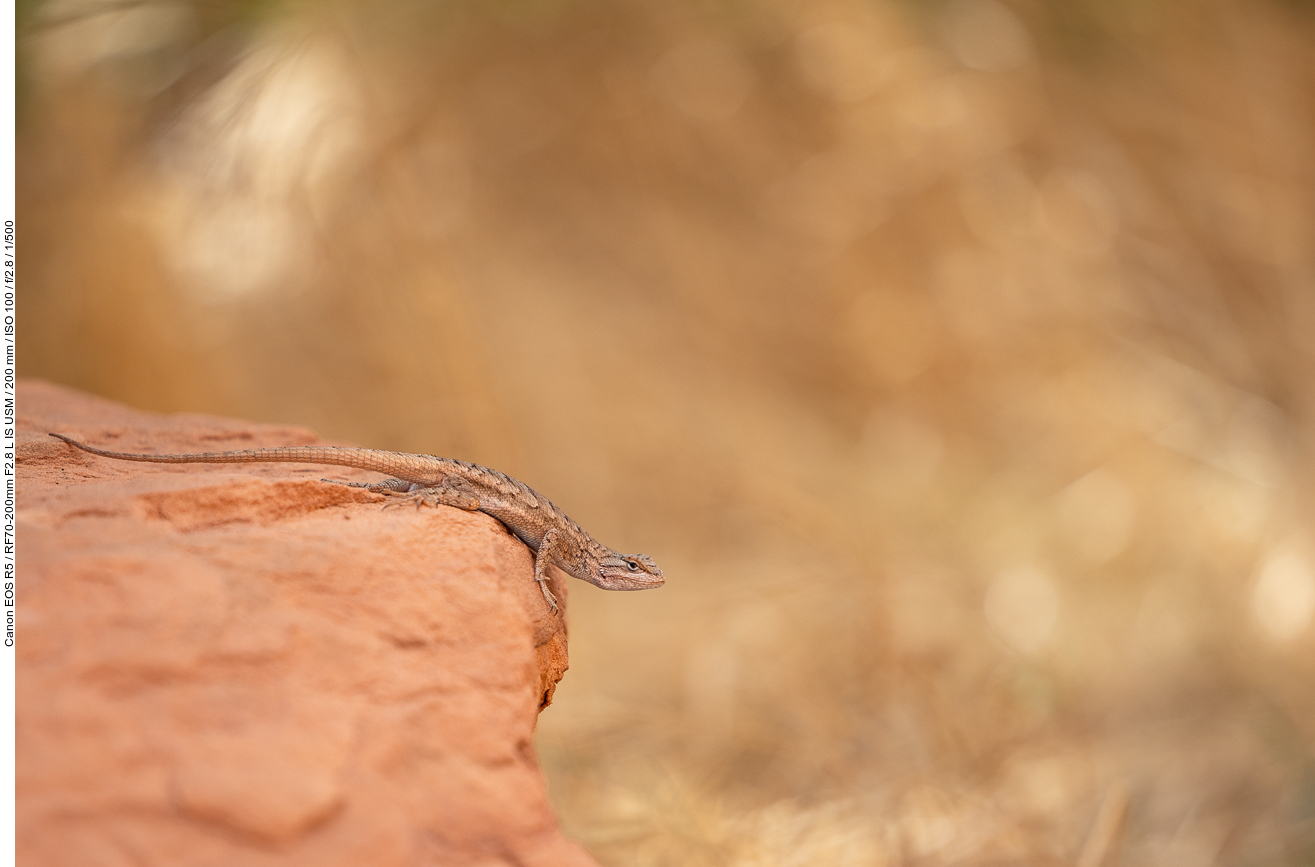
x: 626, y: 572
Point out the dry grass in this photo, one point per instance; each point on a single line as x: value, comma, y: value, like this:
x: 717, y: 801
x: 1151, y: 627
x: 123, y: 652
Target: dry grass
x: 953, y: 360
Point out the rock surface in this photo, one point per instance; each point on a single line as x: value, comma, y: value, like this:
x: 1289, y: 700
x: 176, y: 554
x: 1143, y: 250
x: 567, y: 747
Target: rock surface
x: 241, y: 665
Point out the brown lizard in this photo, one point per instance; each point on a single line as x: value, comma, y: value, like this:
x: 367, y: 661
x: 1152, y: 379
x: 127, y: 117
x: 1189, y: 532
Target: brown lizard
x: 434, y: 481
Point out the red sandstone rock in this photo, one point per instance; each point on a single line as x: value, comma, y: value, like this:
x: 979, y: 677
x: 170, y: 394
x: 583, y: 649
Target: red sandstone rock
x: 240, y: 665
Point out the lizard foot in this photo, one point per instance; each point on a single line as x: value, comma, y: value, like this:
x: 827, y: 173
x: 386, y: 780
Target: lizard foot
x: 422, y: 497
x: 547, y: 594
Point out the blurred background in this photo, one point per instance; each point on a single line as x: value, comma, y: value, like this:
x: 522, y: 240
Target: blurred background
x: 952, y: 357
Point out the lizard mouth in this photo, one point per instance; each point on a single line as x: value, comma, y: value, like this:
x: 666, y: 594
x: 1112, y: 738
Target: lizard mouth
x: 643, y: 582
x: 645, y: 578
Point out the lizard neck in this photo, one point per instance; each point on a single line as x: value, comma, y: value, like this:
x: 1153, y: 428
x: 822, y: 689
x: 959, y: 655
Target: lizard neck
x: 589, y: 561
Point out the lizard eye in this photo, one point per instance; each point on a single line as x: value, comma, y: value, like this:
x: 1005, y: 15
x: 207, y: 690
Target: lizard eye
x: 632, y: 565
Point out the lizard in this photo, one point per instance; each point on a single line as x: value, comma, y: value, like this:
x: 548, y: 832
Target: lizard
x: 428, y: 480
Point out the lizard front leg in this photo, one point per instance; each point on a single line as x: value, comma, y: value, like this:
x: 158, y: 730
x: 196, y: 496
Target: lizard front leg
x: 553, y: 543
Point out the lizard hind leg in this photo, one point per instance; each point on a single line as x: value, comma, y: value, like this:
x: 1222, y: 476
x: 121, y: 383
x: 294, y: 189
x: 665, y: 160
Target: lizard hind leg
x: 449, y: 492
x: 392, y: 486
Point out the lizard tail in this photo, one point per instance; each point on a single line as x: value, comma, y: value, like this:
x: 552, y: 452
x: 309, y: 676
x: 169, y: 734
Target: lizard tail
x: 403, y: 466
